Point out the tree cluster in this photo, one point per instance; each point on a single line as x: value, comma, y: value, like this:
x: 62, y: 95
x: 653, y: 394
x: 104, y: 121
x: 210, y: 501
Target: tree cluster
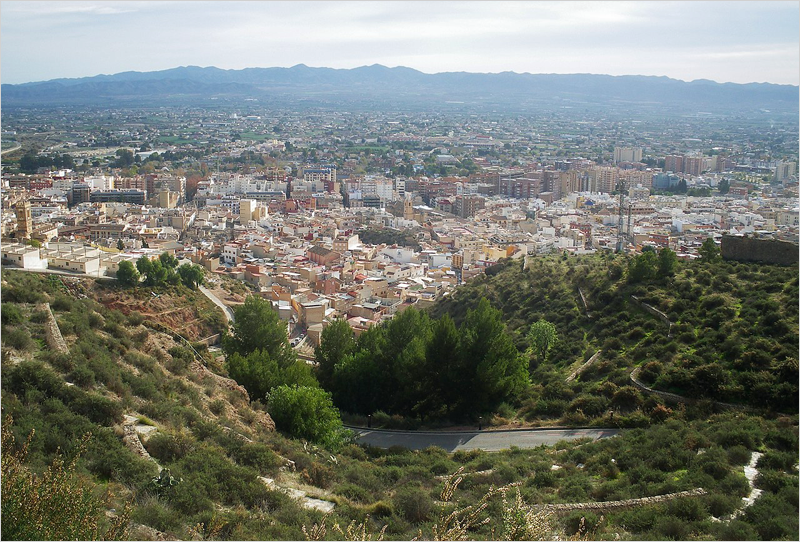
x: 417, y: 366
x: 31, y: 162
x: 649, y: 265
x: 162, y: 271
x: 258, y: 353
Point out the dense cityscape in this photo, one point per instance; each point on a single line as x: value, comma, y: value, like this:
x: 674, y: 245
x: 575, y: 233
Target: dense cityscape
x: 360, y: 214
x: 542, y: 285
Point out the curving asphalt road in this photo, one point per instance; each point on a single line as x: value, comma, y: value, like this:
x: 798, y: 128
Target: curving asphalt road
x: 490, y: 441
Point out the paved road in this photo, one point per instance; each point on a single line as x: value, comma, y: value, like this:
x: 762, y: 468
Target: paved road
x: 490, y: 441
x: 227, y: 310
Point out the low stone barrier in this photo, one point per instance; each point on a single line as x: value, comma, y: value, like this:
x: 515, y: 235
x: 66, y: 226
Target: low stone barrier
x: 52, y: 334
x: 585, y: 305
x: 675, y: 398
x: 610, y: 506
x: 583, y: 367
x: 654, y: 311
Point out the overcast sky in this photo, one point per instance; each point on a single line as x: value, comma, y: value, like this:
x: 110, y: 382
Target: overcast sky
x: 724, y: 41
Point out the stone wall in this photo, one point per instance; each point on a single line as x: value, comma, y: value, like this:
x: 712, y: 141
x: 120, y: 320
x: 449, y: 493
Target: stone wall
x: 652, y: 310
x: 609, y: 506
x: 52, y: 334
x: 748, y: 249
x: 673, y: 398
x: 583, y: 367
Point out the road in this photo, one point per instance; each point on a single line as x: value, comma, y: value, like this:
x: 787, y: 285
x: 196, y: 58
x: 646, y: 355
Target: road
x: 227, y: 310
x: 12, y: 149
x: 490, y: 441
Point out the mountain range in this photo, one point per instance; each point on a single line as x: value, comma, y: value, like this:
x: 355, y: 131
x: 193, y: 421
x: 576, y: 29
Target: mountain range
x: 378, y: 86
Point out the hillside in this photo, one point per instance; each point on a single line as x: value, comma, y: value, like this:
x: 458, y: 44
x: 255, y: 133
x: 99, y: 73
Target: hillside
x: 142, y: 393
x: 733, y: 336
x: 379, y: 86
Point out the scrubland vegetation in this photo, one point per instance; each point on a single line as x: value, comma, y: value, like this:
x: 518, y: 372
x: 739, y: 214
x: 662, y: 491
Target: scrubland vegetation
x: 220, y: 448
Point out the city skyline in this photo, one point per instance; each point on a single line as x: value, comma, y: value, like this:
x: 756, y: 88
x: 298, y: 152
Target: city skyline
x: 738, y: 42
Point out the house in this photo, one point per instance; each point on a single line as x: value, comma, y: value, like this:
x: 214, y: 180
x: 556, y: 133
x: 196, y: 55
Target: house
x: 322, y: 256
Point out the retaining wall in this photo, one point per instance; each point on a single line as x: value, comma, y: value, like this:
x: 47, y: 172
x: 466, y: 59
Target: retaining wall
x: 628, y: 503
x: 674, y: 398
x: 52, y: 334
x: 749, y: 249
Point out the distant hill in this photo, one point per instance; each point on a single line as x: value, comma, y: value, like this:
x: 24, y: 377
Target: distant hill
x: 377, y: 86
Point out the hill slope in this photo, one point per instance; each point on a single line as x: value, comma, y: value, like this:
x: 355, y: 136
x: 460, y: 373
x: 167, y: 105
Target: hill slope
x: 733, y: 339
x: 236, y: 478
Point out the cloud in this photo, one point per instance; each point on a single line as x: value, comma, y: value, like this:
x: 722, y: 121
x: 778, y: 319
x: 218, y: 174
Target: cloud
x: 58, y: 8
x: 726, y: 41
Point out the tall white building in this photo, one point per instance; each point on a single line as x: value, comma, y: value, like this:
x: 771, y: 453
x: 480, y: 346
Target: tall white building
x: 627, y: 154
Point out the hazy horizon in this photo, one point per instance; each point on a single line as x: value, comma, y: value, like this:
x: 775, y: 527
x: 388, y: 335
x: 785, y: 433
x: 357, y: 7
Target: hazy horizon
x: 391, y: 67
x: 728, y: 41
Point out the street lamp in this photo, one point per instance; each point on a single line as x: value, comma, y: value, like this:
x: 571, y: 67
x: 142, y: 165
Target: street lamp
x: 480, y: 423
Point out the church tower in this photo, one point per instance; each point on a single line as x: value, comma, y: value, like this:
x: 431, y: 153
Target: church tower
x: 408, y: 209
x: 24, y: 224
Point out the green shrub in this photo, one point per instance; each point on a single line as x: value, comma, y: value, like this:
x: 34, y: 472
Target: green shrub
x: 217, y: 406
x: 18, y: 338
x: 167, y: 448
x: 736, y: 530
x: 413, y: 503
x: 720, y: 505
x: 773, y: 481
x: 10, y: 314
x: 306, y: 412
x: 738, y: 455
x: 319, y: 475
x: 353, y: 492
x: 772, y: 460
x: 688, y: 509
x: 53, y: 506
x: 256, y: 455
x: 82, y: 376
x: 380, y: 509
x: 672, y: 528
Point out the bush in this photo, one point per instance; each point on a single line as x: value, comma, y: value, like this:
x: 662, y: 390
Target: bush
x: 773, y: 481
x: 353, y: 492
x: 672, y: 528
x: 580, y: 523
x: 52, y: 506
x: 784, y: 461
x: 737, y: 530
x: 319, y: 475
x: 18, y: 338
x: 721, y: 505
x: 10, y: 314
x: 687, y: 509
x: 256, y: 455
x: 738, y: 455
x: 167, y: 448
x: 82, y: 376
x: 306, y: 412
x: 413, y: 503
x: 217, y: 407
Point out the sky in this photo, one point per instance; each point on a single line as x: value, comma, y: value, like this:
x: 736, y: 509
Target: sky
x: 725, y: 41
